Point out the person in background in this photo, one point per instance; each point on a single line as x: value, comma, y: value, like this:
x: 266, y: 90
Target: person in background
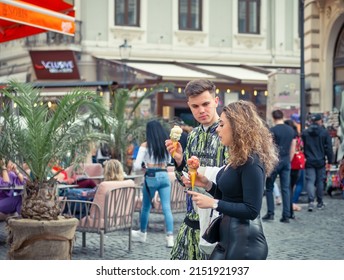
x: 294, y: 173
x: 62, y: 177
x: 238, y: 191
x: 10, y: 201
x: 153, y: 155
x: 203, y: 142
x: 319, y: 156
x: 113, y: 170
x: 295, y: 118
x: 284, y: 138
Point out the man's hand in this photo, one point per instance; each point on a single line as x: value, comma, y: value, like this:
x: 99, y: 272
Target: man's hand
x: 178, y: 152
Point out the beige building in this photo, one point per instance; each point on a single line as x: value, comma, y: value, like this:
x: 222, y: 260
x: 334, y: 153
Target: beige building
x: 235, y: 43
x: 324, y: 54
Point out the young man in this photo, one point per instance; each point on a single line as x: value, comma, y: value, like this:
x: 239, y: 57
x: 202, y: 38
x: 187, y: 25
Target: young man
x: 317, y: 149
x: 204, y: 143
x: 284, y: 138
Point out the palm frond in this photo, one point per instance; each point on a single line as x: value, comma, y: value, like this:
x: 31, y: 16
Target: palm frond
x: 40, y: 136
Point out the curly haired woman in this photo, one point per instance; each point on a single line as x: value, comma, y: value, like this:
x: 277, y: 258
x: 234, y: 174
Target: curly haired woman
x: 239, y: 187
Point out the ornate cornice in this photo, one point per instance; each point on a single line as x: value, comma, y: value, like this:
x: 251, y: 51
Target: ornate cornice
x: 129, y: 34
x: 249, y: 40
x: 190, y: 37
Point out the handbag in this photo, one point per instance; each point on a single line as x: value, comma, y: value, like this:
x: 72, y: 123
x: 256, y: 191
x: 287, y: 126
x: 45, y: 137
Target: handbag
x: 212, y: 233
x: 298, y: 162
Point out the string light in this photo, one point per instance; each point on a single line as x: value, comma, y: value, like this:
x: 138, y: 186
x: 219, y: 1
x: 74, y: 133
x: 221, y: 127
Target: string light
x: 217, y: 91
x: 266, y: 93
x: 255, y: 93
x: 179, y: 90
x: 228, y: 90
x: 243, y: 92
x: 49, y: 104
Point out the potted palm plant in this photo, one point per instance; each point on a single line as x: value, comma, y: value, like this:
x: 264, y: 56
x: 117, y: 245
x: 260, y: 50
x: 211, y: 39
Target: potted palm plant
x: 40, y: 136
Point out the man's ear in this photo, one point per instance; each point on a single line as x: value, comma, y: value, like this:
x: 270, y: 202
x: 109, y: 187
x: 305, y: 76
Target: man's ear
x: 216, y: 101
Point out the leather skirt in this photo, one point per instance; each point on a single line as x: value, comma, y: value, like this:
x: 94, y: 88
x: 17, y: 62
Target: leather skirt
x: 240, y: 239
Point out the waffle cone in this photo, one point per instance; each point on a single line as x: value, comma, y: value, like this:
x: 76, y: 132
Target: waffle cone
x: 193, y: 174
x: 175, y: 145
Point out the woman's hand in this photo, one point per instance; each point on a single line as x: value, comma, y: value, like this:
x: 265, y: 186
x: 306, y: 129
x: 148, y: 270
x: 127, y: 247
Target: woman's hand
x: 201, y: 200
x: 201, y: 181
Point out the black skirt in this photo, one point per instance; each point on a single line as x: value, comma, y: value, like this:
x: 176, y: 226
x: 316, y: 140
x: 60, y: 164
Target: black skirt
x: 241, y: 239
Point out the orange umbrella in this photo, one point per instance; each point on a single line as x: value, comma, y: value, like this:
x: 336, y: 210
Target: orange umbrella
x: 20, y: 19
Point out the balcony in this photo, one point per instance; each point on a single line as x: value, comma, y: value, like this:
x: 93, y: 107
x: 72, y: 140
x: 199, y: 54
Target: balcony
x: 55, y: 39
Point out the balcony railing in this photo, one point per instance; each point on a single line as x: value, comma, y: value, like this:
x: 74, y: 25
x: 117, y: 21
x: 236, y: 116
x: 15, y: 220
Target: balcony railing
x: 53, y: 38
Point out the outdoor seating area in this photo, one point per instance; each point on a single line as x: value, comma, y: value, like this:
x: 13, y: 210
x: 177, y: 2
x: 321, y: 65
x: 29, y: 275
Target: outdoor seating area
x: 112, y: 209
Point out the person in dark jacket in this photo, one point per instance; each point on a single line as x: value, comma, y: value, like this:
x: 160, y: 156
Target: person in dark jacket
x: 317, y: 149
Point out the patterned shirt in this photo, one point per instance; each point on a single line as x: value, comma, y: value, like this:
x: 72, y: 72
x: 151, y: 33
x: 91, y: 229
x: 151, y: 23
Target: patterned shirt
x: 206, y: 146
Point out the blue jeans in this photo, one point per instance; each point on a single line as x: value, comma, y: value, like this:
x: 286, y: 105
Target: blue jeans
x: 315, y: 181
x: 160, y: 183
x: 298, y: 187
x: 283, y: 170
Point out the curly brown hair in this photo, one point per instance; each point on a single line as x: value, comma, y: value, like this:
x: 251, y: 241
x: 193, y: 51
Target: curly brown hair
x: 250, y: 136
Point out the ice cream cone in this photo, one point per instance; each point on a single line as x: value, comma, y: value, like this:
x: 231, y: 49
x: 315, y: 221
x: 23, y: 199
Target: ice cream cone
x: 175, y: 145
x: 193, y: 173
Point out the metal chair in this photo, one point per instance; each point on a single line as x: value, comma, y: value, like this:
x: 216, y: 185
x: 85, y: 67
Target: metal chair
x: 112, y: 209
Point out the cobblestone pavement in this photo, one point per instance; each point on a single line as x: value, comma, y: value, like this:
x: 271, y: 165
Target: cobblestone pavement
x: 316, y: 235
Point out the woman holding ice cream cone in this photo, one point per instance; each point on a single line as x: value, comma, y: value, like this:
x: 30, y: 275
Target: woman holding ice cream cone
x: 239, y: 187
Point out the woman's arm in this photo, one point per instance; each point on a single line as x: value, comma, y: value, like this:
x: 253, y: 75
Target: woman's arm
x: 140, y: 157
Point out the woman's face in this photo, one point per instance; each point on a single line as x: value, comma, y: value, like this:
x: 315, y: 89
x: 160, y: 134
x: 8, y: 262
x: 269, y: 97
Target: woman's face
x: 224, y: 130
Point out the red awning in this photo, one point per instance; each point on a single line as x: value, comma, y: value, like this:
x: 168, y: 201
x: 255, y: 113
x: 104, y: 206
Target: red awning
x: 20, y: 19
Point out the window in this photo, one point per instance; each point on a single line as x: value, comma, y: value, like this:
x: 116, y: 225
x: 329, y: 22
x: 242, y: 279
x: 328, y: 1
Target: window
x: 248, y: 13
x: 190, y: 14
x: 127, y: 12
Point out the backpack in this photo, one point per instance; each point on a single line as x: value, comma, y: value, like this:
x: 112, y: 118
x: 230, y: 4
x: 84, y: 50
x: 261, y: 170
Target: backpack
x: 298, y: 162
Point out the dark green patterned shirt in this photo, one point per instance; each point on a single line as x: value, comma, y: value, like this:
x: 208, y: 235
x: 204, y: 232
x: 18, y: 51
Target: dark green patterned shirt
x: 206, y: 146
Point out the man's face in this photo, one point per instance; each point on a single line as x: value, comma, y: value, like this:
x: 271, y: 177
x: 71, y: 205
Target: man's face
x: 203, y: 108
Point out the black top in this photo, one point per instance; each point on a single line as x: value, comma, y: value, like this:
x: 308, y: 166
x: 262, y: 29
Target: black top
x: 240, y: 190
x: 317, y: 145
x: 283, y: 135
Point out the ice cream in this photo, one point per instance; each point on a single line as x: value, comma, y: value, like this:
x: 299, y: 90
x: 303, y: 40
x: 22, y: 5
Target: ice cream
x: 193, y: 165
x: 175, y: 134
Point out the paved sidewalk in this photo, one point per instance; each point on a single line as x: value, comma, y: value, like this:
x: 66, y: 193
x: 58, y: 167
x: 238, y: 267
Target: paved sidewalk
x: 316, y: 235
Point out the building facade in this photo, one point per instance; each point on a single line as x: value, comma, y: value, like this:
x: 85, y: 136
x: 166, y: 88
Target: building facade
x: 235, y: 43
x: 324, y: 54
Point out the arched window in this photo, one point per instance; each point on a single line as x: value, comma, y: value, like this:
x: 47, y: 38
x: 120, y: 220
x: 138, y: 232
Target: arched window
x: 338, y: 64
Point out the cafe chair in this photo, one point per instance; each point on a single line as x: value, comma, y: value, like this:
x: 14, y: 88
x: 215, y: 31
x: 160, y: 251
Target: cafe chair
x: 111, y: 210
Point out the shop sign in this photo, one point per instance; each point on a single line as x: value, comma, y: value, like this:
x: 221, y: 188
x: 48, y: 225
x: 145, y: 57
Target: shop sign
x: 55, y: 65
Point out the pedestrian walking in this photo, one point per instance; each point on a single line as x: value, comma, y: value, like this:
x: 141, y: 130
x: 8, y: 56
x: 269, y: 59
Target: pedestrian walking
x: 319, y: 155
x: 283, y: 136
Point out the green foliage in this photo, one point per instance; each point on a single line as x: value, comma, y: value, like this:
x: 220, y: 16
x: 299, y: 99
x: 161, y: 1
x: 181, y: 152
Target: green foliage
x: 35, y: 134
x: 131, y: 124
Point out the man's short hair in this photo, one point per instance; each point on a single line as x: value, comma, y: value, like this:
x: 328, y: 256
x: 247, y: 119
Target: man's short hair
x: 197, y: 87
x: 277, y: 115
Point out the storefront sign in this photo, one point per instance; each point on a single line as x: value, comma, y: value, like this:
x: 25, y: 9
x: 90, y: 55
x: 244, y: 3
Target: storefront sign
x: 55, y: 65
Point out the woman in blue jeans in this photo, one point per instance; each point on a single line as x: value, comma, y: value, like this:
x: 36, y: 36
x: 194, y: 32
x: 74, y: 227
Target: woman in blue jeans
x: 153, y: 157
